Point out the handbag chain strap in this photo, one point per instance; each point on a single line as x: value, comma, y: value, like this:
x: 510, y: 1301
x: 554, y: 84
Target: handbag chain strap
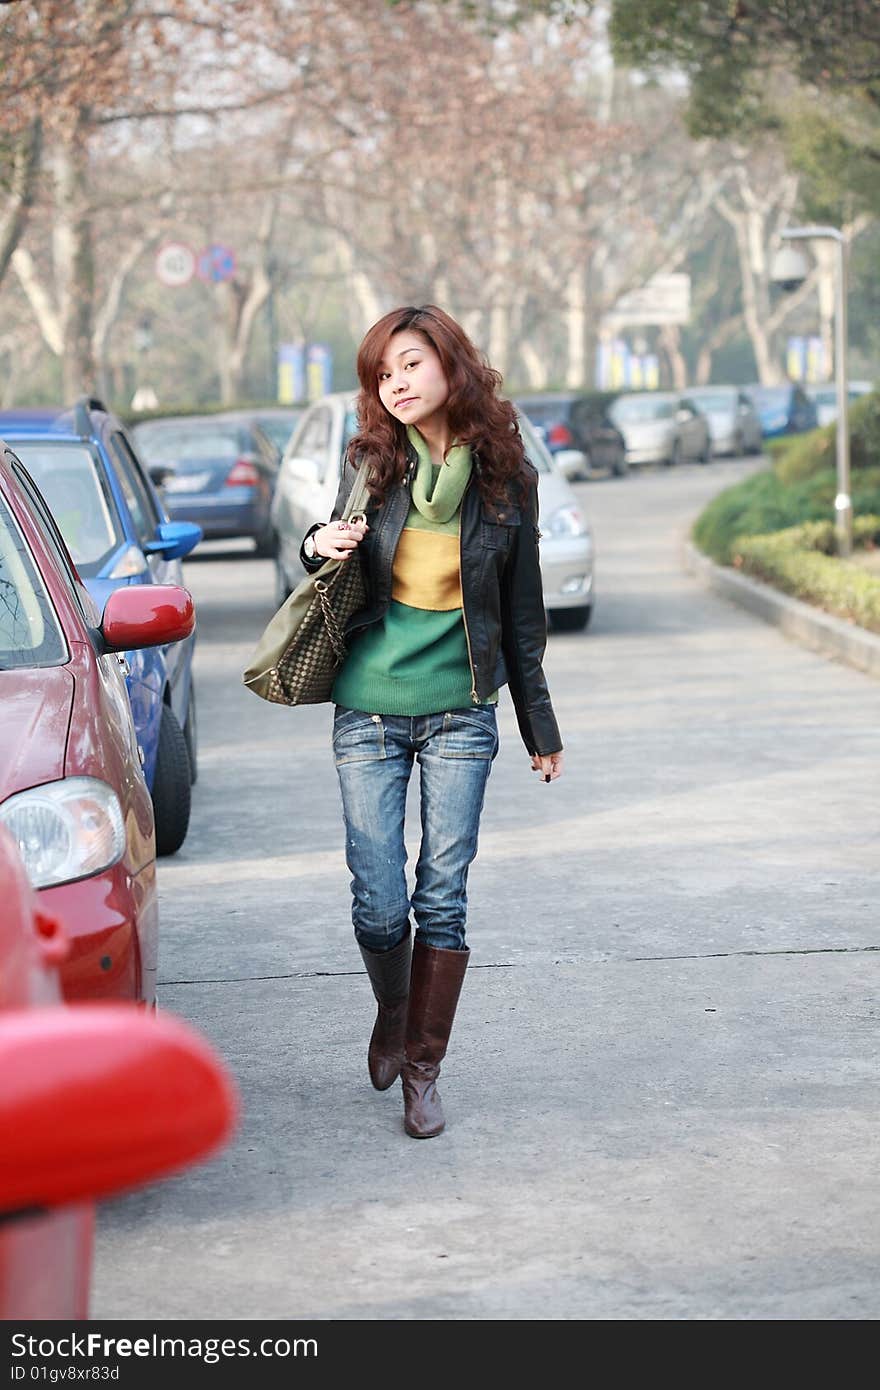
x: 334, y: 632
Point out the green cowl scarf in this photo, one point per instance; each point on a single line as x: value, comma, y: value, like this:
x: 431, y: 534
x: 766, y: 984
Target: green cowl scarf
x: 439, y: 501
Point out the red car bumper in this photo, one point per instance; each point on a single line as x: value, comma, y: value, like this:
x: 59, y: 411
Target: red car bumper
x: 112, y: 921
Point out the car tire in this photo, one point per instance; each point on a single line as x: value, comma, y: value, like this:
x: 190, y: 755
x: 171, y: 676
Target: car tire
x: 282, y: 588
x: 706, y: 455
x: 171, y: 785
x: 266, y: 545
x: 620, y: 467
x: 676, y: 456
x: 571, y: 619
x: 190, y: 733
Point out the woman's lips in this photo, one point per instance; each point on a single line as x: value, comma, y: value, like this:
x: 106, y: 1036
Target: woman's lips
x: 407, y: 400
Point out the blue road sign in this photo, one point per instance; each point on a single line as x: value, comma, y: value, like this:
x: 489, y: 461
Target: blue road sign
x: 216, y: 263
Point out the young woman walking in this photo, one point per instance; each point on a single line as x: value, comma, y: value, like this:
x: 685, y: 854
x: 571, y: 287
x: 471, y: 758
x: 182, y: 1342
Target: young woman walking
x: 449, y: 551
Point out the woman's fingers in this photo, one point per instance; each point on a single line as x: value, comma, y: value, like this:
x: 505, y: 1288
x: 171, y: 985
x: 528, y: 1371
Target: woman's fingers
x: 339, y: 539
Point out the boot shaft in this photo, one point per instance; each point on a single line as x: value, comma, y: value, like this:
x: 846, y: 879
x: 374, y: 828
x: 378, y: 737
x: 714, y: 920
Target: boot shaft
x: 435, y: 986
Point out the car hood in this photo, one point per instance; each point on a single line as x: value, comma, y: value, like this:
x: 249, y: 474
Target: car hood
x: 34, y: 718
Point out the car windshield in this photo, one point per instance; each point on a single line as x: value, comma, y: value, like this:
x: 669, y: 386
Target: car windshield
x: 350, y: 429
x: 544, y: 412
x: 279, y: 428
x: 183, y: 443
x: 535, y: 446
x: 767, y: 396
x: 722, y: 400
x: 29, y: 631
x: 633, y: 409
x: 74, y: 484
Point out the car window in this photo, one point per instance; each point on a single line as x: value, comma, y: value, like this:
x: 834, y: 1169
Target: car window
x: 74, y: 485
x: 544, y: 412
x: 29, y: 630
x: 722, y: 400
x: 143, y: 509
x: 767, y: 396
x: 279, y: 428
x: 634, y: 409
x: 315, y: 438
x: 536, y: 449
x: 179, y: 443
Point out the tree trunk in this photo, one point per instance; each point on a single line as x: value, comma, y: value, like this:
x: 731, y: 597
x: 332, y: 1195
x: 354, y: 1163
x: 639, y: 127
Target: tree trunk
x: 74, y: 262
x: 670, y: 342
x: 719, y: 336
x: 575, y: 326
x: 22, y: 186
x: 108, y: 313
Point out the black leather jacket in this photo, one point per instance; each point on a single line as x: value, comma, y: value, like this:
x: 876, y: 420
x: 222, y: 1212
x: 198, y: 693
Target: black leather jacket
x: 504, y: 617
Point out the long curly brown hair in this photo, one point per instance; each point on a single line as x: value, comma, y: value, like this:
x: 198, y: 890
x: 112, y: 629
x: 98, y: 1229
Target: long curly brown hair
x: 476, y: 414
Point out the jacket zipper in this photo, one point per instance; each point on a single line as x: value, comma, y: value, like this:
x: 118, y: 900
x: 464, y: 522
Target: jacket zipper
x: 475, y: 699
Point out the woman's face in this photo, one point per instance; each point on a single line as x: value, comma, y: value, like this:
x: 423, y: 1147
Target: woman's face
x: 412, y: 386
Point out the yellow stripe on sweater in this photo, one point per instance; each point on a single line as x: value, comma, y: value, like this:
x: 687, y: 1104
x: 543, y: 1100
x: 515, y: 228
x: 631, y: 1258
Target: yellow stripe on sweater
x: 426, y: 570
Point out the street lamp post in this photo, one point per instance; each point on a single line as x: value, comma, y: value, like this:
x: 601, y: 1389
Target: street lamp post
x: 843, y: 500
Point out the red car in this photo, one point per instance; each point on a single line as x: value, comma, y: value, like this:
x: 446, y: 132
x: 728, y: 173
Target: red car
x: 72, y: 789
x: 93, y: 1100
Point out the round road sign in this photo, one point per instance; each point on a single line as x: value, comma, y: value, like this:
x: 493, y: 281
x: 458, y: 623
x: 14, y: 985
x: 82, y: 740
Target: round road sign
x: 216, y: 263
x: 175, y: 264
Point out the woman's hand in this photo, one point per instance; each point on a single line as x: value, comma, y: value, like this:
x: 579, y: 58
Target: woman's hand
x: 548, y: 764
x: 339, y: 539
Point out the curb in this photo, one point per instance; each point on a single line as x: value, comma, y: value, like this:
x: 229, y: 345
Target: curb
x: 810, y: 626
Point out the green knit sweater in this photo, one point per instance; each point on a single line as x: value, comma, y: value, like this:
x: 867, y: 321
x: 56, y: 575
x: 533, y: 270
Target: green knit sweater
x: 415, y: 661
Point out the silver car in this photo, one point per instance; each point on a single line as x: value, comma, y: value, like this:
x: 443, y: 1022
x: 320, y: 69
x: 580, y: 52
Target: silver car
x: 734, y: 424
x: 308, y: 481
x: 661, y: 427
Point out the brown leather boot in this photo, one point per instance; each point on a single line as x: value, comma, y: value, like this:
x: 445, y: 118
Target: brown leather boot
x: 389, y: 976
x: 435, y: 985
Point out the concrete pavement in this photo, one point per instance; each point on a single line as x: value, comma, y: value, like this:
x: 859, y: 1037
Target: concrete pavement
x: 662, y: 1086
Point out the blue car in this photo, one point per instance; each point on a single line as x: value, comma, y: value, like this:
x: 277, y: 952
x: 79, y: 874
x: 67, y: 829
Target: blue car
x: 219, y: 472
x: 785, y: 409
x: 118, y: 533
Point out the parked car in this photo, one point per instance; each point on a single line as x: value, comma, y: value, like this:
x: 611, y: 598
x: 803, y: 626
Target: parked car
x: 72, y: 789
x: 217, y: 471
x: 119, y: 534
x: 93, y: 1100
x: 733, y: 421
x: 309, y: 479
x: 785, y: 409
x: 662, y: 427
x: 277, y: 421
x: 824, y: 398
x: 577, y: 430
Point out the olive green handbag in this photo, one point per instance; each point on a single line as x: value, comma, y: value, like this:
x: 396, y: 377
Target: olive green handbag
x: 296, y: 660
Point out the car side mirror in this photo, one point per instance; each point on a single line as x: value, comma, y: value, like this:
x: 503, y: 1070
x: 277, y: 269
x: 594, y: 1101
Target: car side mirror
x: 147, y: 615
x: 174, y: 539
x: 97, y: 1098
x: 160, y: 473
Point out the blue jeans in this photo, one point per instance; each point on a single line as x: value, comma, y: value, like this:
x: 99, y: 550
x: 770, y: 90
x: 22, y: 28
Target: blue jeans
x: 374, y: 756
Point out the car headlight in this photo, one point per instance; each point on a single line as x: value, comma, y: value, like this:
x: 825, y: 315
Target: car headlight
x: 65, y: 830
x: 567, y: 521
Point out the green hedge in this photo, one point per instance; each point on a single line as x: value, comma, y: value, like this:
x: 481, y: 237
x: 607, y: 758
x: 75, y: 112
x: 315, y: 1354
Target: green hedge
x: 762, y: 503
x: 800, y: 561
x: 802, y: 455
